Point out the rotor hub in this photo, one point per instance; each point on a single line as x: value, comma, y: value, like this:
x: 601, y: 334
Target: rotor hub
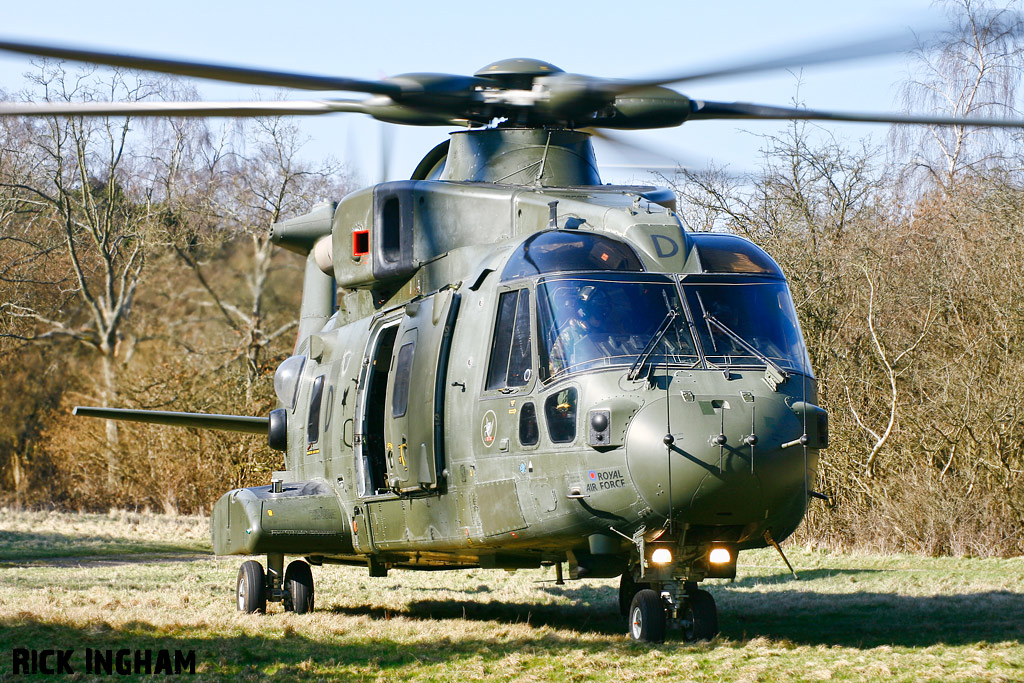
x: 517, y: 73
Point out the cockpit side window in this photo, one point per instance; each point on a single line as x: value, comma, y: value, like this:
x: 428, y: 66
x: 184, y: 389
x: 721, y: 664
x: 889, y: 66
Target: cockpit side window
x: 569, y: 250
x: 512, y: 348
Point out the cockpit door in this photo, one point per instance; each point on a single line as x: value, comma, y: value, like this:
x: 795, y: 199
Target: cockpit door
x: 413, y: 426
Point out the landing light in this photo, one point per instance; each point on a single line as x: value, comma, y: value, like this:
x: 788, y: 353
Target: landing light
x: 661, y: 556
x: 719, y: 556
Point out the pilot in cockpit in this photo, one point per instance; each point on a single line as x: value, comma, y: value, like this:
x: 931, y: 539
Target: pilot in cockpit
x: 586, y: 329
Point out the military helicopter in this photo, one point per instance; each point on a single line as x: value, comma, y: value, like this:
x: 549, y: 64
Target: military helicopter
x: 504, y: 363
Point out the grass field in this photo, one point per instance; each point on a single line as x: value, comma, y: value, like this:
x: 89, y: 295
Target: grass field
x: 135, y: 581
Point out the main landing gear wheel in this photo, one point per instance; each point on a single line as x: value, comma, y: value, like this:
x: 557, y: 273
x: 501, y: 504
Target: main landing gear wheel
x: 647, y: 617
x: 627, y: 589
x: 298, y: 588
x: 250, y: 589
x: 700, y: 621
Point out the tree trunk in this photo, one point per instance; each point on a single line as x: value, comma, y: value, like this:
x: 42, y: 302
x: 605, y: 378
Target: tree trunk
x: 109, y: 394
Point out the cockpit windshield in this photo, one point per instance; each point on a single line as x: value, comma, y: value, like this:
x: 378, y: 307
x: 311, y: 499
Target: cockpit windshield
x: 605, y: 319
x: 760, y: 313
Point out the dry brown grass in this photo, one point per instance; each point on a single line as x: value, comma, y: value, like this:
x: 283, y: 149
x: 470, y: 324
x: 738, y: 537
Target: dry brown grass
x: 51, y: 534
x: 896, y: 618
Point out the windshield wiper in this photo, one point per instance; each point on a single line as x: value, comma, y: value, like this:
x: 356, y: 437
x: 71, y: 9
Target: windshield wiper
x: 742, y: 342
x: 638, y: 364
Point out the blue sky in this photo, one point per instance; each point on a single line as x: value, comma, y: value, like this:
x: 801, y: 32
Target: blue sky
x: 614, y: 39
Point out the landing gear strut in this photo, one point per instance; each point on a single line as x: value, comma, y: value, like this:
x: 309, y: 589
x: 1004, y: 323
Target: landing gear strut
x: 254, y: 587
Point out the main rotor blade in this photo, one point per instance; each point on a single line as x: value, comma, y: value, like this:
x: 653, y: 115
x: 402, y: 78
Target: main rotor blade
x: 747, y: 110
x: 232, y: 109
x: 218, y: 72
x: 639, y: 153
x: 877, y: 46
x: 569, y: 90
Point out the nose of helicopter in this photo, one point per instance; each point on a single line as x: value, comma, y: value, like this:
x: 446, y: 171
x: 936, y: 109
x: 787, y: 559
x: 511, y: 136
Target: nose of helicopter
x: 677, y: 458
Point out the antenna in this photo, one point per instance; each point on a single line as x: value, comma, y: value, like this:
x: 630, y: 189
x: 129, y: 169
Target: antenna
x: 752, y: 439
x: 553, y: 214
x: 669, y: 440
x: 543, y: 160
x: 720, y: 439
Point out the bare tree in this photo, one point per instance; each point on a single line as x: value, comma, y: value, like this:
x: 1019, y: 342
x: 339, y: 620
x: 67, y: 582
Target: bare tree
x: 972, y: 69
x: 97, y: 219
x: 891, y: 366
x: 264, y: 180
x: 79, y: 218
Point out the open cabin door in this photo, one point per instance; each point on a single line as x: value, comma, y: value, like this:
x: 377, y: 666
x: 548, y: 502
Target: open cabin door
x: 415, y: 408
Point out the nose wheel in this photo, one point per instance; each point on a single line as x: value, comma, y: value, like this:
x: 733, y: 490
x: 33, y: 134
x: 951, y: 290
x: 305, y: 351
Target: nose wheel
x: 627, y: 589
x: 647, y: 620
x: 653, y: 608
x: 699, y: 616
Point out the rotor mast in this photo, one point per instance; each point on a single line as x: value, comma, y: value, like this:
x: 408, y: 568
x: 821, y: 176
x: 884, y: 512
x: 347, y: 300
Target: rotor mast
x: 522, y: 156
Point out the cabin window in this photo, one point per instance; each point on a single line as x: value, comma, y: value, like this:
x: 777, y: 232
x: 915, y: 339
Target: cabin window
x: 403, y: 372
x: 373, y: 463
x: 560, y: 411
x: 568, y: 250
x: 529, y: 433
x: 512, y: 349
x: 329, y: 408
x: 315, y: 398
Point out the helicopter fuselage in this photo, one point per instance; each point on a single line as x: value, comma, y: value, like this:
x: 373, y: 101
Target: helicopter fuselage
x: 528, y: 374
